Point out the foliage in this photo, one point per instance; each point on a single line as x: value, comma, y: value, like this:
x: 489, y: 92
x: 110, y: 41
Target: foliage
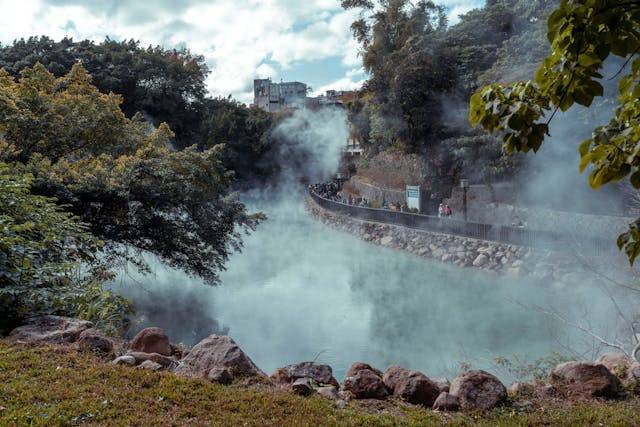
x: 119, y: 175
x: 43, y: 251
x: 481, y: 157
x: 421, y: 69
x: 245, y: 133
x: 538, y: 370
x: 408, y: 71
x: 583, y: 34
x: 166, y: 84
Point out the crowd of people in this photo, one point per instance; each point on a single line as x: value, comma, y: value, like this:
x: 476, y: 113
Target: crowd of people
x: 332, y: 190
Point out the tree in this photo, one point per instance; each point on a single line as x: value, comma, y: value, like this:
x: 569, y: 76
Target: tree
x: 119, y: 175
x: 583, y: 34
x: 245, y: 133
x: 168, y: 85
x: 48, y: 260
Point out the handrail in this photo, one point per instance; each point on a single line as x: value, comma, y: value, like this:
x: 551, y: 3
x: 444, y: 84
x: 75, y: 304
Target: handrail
x: 563, y: 242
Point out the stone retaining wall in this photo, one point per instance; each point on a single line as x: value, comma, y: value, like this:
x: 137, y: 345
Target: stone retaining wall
x: 513, y: 260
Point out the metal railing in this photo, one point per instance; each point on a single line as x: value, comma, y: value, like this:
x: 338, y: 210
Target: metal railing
x: 583, y: 244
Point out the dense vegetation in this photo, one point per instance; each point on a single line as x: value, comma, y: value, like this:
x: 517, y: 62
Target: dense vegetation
x: 423, y: 71
x: 166, y: 86
x: 583, y: 35
x: 126, y: 193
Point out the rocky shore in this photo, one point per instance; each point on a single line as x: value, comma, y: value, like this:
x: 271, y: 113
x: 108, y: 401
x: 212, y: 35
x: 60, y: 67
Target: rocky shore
x: 218, y: 359
x: 516, y: 261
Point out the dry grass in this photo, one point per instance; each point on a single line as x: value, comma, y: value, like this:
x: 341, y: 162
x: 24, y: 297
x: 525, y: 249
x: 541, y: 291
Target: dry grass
x: 58, y: 386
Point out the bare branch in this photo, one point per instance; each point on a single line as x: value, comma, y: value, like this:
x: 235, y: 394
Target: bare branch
x: 580, y: 327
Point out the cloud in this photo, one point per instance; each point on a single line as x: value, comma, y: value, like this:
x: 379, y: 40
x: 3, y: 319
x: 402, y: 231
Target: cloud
x: 352, y: 80
x: 240, y: 39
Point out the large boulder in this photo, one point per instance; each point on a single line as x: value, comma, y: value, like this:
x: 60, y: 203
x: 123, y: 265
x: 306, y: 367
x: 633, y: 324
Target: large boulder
x: 365, y: 384
x: 478, y: 390
x: 220, y: 376
x: 358, y: 366
x: 321, y: 374
x: 94, y: 340
x: 412, y: 386
x: 586, y: 378
x: 217, y: 351
x: 446, y: 402
x: 50, y: 330
x: 151, y: 340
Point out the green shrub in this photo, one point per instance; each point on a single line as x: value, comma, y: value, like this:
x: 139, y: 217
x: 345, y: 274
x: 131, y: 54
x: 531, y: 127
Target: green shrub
x: 48, y: 261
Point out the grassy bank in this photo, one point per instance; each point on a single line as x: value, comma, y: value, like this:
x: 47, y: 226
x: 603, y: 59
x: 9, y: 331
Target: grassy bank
x: 58, y: 386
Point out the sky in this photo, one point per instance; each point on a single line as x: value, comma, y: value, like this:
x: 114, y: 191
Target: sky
x: 303, y: 40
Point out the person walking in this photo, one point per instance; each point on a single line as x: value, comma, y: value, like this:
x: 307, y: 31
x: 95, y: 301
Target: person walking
x: 447, y: 210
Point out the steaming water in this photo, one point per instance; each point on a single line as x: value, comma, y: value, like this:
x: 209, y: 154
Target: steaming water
x: 301, y: 291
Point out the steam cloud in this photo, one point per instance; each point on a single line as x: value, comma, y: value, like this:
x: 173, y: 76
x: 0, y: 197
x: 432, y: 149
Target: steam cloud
x: 301, y: 291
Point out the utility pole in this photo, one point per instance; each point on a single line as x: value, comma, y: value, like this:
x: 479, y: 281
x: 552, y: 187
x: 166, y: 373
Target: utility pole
x: 464, y: 184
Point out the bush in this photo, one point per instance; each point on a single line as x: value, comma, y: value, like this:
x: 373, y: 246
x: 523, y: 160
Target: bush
x: 48, y: 261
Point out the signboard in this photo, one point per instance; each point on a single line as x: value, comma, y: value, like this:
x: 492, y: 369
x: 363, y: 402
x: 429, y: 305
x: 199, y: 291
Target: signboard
x: 413, y: 197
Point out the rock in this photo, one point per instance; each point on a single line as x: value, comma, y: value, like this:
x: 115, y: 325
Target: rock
x: 345, y: 394
x: 586, y: 378
x: 330, y: 392
x: 50, y: 330
x: 150, y: 365
x: 412, y: 386
x: 359, y: 366
x: 480, y: 260
x: 549, y: 391
x: 165, y: 361
x: 623, y: 367
x: 478, y: 390
x: 341, y: 404
x: 386, y: 240
x: 366, y: 384
x: 151, y: 340
x: 446, y: 402
x: 443, y: 384
x: 126, y: 360
x: 94, y: 340
x: 518, y: 388
x: 322, y: 374
x: 220, y: 376
x: 217, y: 351
x: 302, y: 386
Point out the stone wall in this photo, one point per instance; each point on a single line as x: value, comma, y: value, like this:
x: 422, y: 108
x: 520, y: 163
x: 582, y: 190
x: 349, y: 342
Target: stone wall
x: 513, y: 260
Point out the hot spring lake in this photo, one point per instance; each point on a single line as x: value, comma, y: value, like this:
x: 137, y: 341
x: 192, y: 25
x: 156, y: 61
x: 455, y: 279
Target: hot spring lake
x: 301, y: 291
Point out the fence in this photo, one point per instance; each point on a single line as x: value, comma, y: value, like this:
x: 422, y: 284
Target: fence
x: 584, y: 244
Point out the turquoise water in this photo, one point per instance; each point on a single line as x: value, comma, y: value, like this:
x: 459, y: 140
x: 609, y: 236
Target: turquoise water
x: 302, y: 291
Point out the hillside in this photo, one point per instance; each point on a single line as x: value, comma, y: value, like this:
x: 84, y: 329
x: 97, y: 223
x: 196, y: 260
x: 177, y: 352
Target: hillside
x: 59, y: 386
